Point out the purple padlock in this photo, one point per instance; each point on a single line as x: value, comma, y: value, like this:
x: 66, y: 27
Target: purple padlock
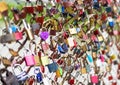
x: 44, y: 35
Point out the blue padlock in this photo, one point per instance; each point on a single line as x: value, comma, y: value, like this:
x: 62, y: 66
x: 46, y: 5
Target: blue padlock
x: 60, y: 49
x: 78, y: 30
x: 111, y: 23
x: 65, y: 47
x: 108, y: 9
x: 38, y: 75
x: 95, y: 0
x: 89, y: 57
x: 14, y: 28
x: 63, y: 9
x: 96, y: 5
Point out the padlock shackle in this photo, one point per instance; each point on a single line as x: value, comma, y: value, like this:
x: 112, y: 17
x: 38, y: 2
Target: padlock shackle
x: 16, y: 66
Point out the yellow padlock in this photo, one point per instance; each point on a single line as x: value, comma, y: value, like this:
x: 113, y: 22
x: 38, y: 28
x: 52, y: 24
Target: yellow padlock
x: 3, y: 6
x: 113, y: 57
x: 58, y: 73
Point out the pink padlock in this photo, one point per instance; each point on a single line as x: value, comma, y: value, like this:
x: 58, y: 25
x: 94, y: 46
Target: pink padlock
x: 85, y: 37
x: 18, y: 35
x: 109, y: 1
x: 93, y: 38
x: 29, y: 59
x: 45, y: 46
x: 102, y: 58
x: 94, y: 79
x: 115, y: 32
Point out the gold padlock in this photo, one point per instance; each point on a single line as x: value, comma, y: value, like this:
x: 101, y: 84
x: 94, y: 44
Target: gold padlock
x: 58, y: 73
x: 113, y: 57
x: 3, y: 6
x: 37, y: 60
x: 83, y: 70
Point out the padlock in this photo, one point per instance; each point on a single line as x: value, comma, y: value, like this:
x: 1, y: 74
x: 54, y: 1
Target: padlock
x: 22, y: 76
x: 29, y: 9
x: 38, y: 75
x: 29, y: 59
x: 10, y: 78
x: 4, y: 8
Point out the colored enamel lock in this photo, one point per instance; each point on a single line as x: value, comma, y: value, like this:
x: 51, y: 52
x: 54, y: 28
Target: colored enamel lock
x: 39, y: 6
x: 59, y: 72
x: 94, y: 79
x: 39, y: 20
x: 52, y: 67
x: 89, y: 57
x: 37, y: 60
x: 71, y: 81
x: 45, y: 46
x: 38, y: 75
x: 29, y: 9
x: 13, y: 28
x: 102, y: 58
x: 111, y: 22
x: 29, y: 58
x: 44, y: 35
x: 18, y: 35
x: 3, y: 9
x: 83, y: 69
x: 60, y: 49
x: 45, y: 60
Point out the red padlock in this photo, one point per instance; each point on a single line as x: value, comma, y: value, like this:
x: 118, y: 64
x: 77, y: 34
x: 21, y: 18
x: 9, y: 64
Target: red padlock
x: 75, y: 43
x: 29, y: 10
x: 118, y: 66
x: 114, y: 83
x: 57, y: 1
x: 80, y: 12
x: 60, y: 61
x: 40, y: 20
x: 39, y: 8
x: 71, y: 81
x: 103, y: 52
x: 42, y: 68
x: 96, y: 32
x: 109, y: 1
x: 103, y: 17
x: 96, y: 16
x: 110, y: 78
x: 18, y: 35
x: 31, y: 80
x: 65, y: 35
